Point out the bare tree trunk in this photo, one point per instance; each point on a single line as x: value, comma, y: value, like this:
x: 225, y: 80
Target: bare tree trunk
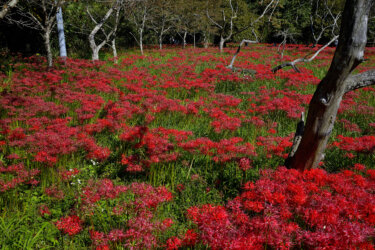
x: 222, y: 27
x: 161, y: 41
x: 47, y: 44
x: 206, y: 41
x: 221, y: 44
x: 184, y: 39
x: 141, y: 41
x: 328, y: 95
x: 60, y: 30
x: 95, y: 48
x: 194, y: 40
x: 95, y: 54
x: 115, y: 58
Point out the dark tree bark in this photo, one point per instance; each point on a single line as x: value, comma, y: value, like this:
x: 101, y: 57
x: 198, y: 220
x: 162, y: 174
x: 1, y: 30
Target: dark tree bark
x: 328, y: 95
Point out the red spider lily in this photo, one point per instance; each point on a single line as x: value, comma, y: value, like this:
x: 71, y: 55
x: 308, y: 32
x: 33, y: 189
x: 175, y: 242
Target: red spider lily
x: 289, y: 208
x: 70, y: 225
x: 173, y: 243
x: 364, y: 144
x: 43, y: 210
x: 20, y: 176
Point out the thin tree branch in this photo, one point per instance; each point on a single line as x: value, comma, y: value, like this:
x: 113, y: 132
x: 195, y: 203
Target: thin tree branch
x: 213, y: 21
x: 304, y: 59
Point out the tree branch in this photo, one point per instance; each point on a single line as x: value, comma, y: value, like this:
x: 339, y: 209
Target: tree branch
x: 230, y: 66
x: 361, y: 80
x: 213, y: 21
x: 304, y: 59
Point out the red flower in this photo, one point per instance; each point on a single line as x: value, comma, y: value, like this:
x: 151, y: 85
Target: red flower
x: 70, y: 225
x: 173, y: 243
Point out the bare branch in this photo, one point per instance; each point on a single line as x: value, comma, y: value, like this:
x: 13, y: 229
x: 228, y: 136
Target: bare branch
x: 213, y: 21
x: 304, y: 59
x: 273, y: 10
x: 230, y: 66
x: 251, y: 25
x: 90, y: 15
x: 265, y: 11
x: 361, y: 80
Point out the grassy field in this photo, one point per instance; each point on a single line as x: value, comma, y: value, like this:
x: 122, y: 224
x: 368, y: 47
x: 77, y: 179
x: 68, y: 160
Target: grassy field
x: 174, y: 150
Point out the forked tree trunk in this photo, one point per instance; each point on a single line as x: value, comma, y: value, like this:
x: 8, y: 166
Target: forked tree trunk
x: 94, y: 47
x: 329, y: 93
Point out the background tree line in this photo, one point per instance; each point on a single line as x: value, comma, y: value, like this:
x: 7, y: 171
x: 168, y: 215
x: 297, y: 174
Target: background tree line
x: 92, y: 25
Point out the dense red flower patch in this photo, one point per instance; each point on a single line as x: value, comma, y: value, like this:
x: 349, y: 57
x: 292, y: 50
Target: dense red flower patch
x: 287, y: 208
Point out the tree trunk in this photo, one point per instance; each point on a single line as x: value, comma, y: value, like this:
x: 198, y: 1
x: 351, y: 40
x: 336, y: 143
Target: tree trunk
x: 194, y: 39
x: 221, y: 44
x: 95, y: 49
x: 141, y: 41
x: 60, y: 30
x: 328, y: 95
x: 161, y: 42
x: 47, y: 44
x: 95, y: 54
x: 115, y: 58
x: 206, y: 41
x: 184, y: 39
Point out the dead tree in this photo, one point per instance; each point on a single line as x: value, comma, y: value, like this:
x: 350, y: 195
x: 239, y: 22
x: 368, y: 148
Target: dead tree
x: 7, y: 7
x: 183, y: 27
x: 114, y: 33
x: 338, y: 81
x: 302, y: 60
x: 38, y: 15
x: 322, y: 15
x: 139, y: 14
x: 292, y: 64
x: 286, y: 35
x: 99, y: 26
x: 270, y: 7
x: 162, y: 20
x: 223, y: 24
